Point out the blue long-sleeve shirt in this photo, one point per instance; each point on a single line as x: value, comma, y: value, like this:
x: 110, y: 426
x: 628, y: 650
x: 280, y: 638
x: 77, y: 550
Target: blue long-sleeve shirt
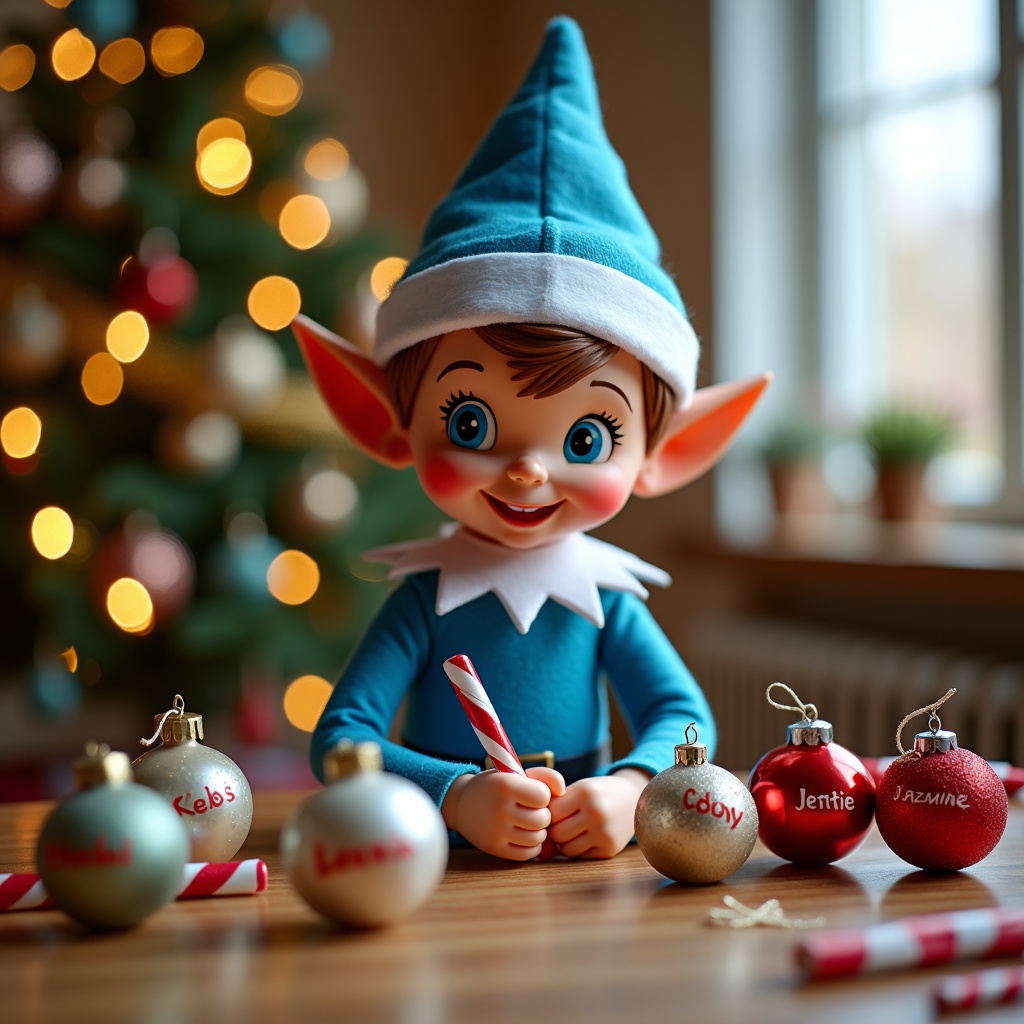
x: 546, y: 686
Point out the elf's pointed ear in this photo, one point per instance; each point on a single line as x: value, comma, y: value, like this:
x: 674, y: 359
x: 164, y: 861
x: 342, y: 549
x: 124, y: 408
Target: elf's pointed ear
x: 698, y: 436
x: 356, y: 392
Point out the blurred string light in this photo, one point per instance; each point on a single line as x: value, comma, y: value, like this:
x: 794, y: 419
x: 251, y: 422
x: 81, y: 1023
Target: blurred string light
x: 59, y: 4
x: 17, y: 65
x: 70, y: 657
x: 73, y: 55
x: 130, y: 606
x: 52, y: 532
x: 218, y: 128
x: 102, y: 181
x: 326, y: 160
x: 304, y: 701
x: 123, y: 60
x: 293, y: 577
x: 223, y: 166
x: 273, y: 89
x: 385, y: 275
x: 102, y: 378
x: 20, y: 432
x: 127, y: 336
x: 175, y: 50
x: 330, y: 496
x: 274, y: 302
x: 304, y: 221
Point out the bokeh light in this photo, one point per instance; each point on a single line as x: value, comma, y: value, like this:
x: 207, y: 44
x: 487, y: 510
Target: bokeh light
x: 330, y: 496
x: 127, y: 336
x: 130, y: 606
x: 17, y: 64
x: 304, y: 222
x: 73, y: 55
x: 273, y: 89
x: 102, y: 378
x: 20, y: 432
x: 293, y: 577
x: 102, y: 181
x: 176, y: 49
x: 274, y: 302
x: 326, y: 160
x: 304, y: 701
x: 59, y: 4
x: 274, y: 196
x: 70, y: 657
x: 224, y: 165
x: 52, y: 532
x: 123, y: 60
x: 219, y: 128
x: 385, y: 275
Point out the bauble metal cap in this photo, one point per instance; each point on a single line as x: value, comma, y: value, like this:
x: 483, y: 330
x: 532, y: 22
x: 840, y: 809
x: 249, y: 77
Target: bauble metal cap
x: 938, y: 741
x: 101, y: 765
x: 347, y: 758
x: 691, y: 752
x: 809, y: 732
x: 179, y: 728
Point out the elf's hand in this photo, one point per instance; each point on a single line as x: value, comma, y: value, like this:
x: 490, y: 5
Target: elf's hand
x: 594, y: 817
x: 501, y: 813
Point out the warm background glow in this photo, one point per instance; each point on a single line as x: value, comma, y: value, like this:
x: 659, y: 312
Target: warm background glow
x: 176, y: 49
x: 102, y: 378
x: 293, y: 577
x: 224, y: 165
x: 326, y: 160
x: 274, y: 302
x: 273, y: 90
x: 17, y: 62
x: 304, y: 221
x: 123, y: 60
x: 73, y: 55
x: 52, y: 532
x: 385, y: 275
x: 20, y: 432
x: 304, y: 701
x: 129, y: 605
x: 127, y: 336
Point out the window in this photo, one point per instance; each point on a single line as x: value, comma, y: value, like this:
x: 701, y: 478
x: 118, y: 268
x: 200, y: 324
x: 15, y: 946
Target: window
x: 867, y: 223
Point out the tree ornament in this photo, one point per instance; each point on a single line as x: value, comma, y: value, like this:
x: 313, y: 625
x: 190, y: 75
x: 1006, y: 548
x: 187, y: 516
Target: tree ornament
x: 368, y: 849
x: 158, y: 559
x: 162, y: 289
x: 695, y: 822
x: 205, y: 787
x: 114, y: 852
x: 815, y: 799
x: 940, y: 807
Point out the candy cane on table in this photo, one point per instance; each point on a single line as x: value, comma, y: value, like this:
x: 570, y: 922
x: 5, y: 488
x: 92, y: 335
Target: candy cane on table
x: 994, y: 987
x: 911, y: 942
x: 481, y: 714
x: 200, y: 880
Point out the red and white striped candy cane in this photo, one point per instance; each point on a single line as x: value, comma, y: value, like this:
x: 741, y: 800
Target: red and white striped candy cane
x: 913, y: 942
x: 481, y: 714
x: 200, y: 880
x: 995, y: 987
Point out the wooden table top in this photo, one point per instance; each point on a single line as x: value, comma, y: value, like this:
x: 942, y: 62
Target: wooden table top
x: 558, y: 941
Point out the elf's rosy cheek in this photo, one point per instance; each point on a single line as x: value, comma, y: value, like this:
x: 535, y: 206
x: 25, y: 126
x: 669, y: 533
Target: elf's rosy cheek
x: 605, y: 496
x: 442, y: 478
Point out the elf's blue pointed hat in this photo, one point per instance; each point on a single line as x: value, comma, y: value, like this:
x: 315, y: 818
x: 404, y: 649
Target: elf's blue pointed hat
x: 542, y: 228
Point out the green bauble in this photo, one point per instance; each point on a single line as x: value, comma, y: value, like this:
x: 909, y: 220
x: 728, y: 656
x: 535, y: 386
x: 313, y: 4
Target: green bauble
x: 115, y: 852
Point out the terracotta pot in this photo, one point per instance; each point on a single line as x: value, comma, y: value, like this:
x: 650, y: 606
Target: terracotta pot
x: 797, y: 488
x: 901, y: 493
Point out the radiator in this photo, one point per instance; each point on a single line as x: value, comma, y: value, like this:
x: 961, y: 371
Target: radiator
x: 864, y: 685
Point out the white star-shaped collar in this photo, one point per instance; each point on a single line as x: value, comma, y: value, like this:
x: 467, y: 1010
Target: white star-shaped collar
x: 568, y: 571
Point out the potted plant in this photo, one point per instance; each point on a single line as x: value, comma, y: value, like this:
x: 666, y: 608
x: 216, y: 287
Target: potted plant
x: 903, y: 440
x: 792, y: 455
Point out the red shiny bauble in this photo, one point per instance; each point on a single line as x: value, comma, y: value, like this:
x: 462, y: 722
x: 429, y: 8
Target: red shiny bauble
x: 158, y: 559
x: 163, y: 290
x: 815, y: 800
x: 943, y: 811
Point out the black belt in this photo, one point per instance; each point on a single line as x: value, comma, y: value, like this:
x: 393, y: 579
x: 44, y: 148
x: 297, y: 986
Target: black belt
x: 572, y: 769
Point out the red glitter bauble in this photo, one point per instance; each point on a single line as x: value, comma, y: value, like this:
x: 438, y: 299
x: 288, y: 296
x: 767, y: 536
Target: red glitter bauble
x: 162, y: 291
x: 943, y: 811
x: 815, y: 800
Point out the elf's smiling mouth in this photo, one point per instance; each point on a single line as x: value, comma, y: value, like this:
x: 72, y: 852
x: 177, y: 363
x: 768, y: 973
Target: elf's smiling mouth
x: 522, y: 515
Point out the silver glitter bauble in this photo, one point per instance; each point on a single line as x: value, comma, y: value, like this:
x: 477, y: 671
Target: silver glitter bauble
x: 115, y: 852
x: 368, y: 849
x: 205, y: 787
x: 695, y: 822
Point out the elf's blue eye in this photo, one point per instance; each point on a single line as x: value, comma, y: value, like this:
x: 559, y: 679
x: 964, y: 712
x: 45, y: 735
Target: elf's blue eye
x: 589, y: 440
x: 471, y: 425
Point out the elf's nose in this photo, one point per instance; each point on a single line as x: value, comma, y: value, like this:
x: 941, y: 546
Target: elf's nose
x: 528, y: 470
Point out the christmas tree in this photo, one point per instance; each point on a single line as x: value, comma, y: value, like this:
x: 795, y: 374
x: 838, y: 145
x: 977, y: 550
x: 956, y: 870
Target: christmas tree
x: 178, y: 514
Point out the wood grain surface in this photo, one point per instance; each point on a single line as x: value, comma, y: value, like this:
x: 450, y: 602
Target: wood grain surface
x: 556, y: 941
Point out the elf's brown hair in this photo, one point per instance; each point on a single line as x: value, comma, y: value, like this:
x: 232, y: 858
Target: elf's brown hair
x: 548, y: 359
